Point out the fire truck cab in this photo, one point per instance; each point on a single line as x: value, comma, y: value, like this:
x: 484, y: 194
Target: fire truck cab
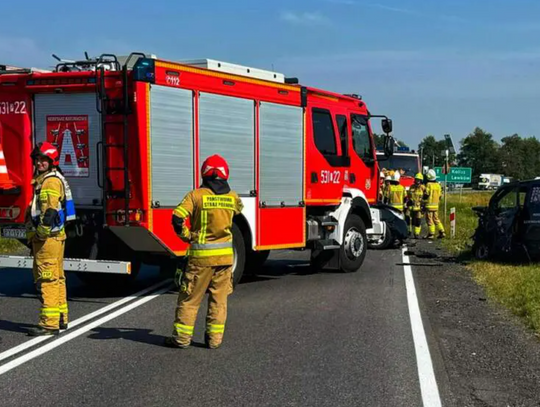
x: 132, y: 133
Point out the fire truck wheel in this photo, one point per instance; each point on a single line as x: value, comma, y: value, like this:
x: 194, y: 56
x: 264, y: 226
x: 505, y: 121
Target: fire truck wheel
x: 354, y: 247
x: 239, y: 262
x: 384, y: 242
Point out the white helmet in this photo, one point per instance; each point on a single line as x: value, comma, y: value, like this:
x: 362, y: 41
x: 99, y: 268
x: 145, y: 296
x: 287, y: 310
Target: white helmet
x: 396, y: 176
x: 431, y: 175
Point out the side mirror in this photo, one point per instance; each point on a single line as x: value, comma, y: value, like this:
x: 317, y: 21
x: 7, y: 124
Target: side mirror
x: 386, y: 125
x: 389, y: 144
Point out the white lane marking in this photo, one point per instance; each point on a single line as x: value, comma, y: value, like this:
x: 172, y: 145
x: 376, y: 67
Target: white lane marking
x: 78, y: 332
x: 28, y: 344
x: 426, y: 375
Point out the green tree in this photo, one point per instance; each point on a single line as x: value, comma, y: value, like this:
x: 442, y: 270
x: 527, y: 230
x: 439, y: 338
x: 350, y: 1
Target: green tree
x: 480, y: 152
x: 530, y: 158
x: 432, y: 151
x: 512, y: 147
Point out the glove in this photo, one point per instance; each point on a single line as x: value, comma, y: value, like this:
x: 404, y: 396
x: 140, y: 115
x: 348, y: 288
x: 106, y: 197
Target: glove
x: 178, y: 224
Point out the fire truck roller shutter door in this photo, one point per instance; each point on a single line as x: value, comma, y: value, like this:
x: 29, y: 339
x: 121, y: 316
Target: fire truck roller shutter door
x: 281, y: 154
x: 227, y: 128
x: 72, y: 121
x: 172, y: 140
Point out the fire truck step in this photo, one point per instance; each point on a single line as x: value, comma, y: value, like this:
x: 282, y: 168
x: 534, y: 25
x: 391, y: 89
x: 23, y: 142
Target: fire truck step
x: 328, y: 244
x: 79, y: 265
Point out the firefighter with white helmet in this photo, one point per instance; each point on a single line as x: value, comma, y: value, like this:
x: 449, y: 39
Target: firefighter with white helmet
x: 432, y: 198
x: 396, y: 192
x: 415, y: 196
x: 209, y: 210
x: 51, y: 207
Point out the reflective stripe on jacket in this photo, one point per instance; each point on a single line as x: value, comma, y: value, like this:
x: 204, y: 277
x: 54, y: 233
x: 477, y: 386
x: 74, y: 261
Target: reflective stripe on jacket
x: 396, y: 195
x: 210, y: 217
x: 51, y: 191
x: 416, y: 195
x: 433, y: 196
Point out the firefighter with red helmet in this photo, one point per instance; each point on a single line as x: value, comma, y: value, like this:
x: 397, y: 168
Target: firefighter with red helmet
x: 51, y: 207
x: 204, y: 220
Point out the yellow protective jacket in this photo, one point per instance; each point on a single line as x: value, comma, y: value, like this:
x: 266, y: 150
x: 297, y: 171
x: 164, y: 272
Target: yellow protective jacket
x: 415, y: 196
x: 210, y: 217
x: 50, y: 192
x: 396, y: 196
x: 433, y: 195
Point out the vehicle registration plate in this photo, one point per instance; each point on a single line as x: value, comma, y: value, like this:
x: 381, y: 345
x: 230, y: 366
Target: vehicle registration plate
x: 14, y: 233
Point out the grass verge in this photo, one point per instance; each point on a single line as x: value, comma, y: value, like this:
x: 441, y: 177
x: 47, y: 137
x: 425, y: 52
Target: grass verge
x: 10, y: 246
x: 515, y: 286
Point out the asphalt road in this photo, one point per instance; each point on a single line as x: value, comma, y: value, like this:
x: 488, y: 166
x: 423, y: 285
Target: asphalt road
x: 293, y: 338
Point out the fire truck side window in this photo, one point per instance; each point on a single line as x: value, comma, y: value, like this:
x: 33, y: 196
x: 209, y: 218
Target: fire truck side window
x: 323, y: 132
x: 360, y: 137
x: 343, y: 134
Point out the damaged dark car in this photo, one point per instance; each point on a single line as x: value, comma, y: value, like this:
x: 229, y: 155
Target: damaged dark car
x: 509, y: 228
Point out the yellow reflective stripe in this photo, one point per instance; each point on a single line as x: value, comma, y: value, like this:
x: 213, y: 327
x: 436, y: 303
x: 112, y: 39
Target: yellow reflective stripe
x: 210, y: 253
x: 204, y: 225
x: 49, y: 311
x: 49, y: 192
x: 215, y: 329
x: 184, y: 329
x: 433, y: 207
x: 63, y: 308
x: 181, y: 212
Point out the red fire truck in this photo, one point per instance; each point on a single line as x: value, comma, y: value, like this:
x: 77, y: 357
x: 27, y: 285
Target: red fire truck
x: 405, y: 160
x: 132, y: 133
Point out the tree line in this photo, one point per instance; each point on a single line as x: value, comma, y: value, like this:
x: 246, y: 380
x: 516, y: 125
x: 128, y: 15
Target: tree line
x: 514, y: 156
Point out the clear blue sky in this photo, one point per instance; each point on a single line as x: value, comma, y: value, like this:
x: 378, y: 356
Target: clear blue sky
x: 435, y: 67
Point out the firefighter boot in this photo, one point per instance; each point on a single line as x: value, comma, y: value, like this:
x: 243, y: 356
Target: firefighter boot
x: 170, y: 342
x: 63, y: 322
x: 442, y: 234
x: 40, y: 331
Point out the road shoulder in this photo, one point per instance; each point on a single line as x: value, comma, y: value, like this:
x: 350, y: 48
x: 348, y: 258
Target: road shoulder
x: 488, y: 358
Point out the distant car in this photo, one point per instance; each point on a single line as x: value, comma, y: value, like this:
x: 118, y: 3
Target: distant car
x: 510, y: 225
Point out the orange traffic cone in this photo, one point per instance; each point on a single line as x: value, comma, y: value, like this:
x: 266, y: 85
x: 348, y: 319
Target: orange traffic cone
x: 5, y: 180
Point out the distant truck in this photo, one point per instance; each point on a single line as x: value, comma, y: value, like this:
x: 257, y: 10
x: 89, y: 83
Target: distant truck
x: 490, y: 181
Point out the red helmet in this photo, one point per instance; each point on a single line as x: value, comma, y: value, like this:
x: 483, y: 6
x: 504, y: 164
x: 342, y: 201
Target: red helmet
x: 215, y: 166
x: 46, y: 149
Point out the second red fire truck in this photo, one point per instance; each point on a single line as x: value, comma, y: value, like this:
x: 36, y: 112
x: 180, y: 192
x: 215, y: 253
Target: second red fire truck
x: 133, y: 132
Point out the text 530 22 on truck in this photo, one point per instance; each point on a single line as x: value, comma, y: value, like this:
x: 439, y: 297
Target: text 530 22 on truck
x: 132, y: 136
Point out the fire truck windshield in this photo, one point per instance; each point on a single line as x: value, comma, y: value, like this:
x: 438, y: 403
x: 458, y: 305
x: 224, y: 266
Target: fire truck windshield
x: 407, y: 163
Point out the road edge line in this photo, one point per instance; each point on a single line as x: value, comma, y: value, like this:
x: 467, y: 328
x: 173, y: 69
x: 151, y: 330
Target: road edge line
x: 78, y: 332
x: 33, y: 342
x: 426, y: 375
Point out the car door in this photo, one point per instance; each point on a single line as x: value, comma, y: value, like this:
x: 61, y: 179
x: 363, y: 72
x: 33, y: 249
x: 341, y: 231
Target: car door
x: 504, y: 209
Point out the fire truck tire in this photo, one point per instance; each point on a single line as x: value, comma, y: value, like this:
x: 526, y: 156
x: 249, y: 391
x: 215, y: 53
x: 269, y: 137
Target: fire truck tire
x: 354, y: 247
x: 239, y: 247
x: 384, y: 242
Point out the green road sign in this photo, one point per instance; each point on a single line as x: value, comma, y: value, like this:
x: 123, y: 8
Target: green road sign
x: 458, y: 175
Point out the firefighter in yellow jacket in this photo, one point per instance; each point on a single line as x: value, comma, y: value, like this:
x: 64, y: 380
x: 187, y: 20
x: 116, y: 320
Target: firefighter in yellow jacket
x: 51, y: 206
x: 395, y: 193
x: 209, y: 211
x: 415, y: 197
x: 432, y: 197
